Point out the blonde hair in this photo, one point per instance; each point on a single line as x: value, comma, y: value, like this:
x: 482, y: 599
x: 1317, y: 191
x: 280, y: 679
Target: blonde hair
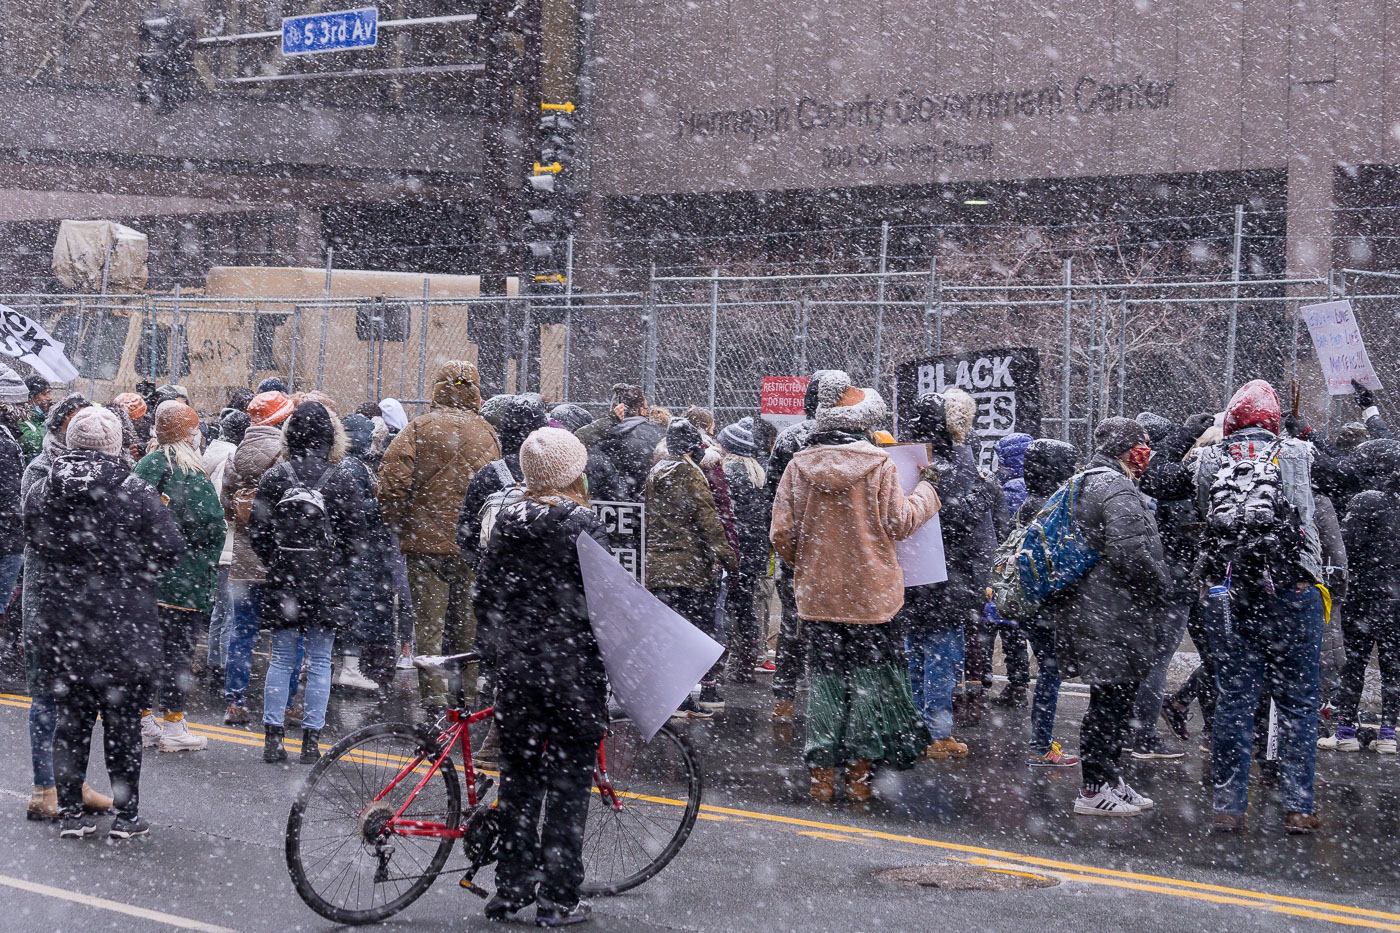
x: 183, y: 456
x: 751, y: 466
x: 576, y: 492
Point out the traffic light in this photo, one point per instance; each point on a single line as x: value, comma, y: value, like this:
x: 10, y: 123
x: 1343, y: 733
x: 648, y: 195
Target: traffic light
x: 166, y: 60
x: 549, y: 214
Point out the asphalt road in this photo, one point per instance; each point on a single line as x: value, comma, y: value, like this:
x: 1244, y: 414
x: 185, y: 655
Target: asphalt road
x: 762, y: 857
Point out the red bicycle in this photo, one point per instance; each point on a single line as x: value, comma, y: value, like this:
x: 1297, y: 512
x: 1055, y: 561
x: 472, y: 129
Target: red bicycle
x: 378, y: 816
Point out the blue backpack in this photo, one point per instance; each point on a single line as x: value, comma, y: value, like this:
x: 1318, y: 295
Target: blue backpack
x: 1053, y: 556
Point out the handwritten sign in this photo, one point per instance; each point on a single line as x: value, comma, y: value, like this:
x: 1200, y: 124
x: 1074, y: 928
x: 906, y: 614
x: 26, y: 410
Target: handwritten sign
x: 1340, y: 350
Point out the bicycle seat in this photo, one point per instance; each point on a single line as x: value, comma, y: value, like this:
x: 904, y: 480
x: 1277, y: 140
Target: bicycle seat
x: 444, y: 663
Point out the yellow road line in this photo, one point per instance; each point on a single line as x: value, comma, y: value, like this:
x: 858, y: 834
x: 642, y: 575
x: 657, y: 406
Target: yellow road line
x: 183, y: 923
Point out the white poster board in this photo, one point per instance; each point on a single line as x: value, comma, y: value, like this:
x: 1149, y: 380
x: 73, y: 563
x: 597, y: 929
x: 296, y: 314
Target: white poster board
x: 1340, y: 350
x: 26, y: 341
x: 921, y: 554
x: 653, y: 656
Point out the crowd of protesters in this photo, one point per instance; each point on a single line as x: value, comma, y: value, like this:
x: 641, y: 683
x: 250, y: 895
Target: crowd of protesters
x: 133, y: 529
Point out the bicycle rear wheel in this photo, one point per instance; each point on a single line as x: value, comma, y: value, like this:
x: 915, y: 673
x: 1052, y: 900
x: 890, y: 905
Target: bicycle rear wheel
x: 343, y: 865
x: 641, y: 811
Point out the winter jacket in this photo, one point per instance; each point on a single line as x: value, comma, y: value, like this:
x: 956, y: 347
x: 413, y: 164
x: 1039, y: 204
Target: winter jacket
x: 685, y: 539
x: 1371, y: 528
x: 532, y: 619
x: 324, y: 600
x: 12, y: 463
x: 836, y: 518
x: 590, y: 434
x: 491, y: 479
x: 790, y: 440
x: 99, y: 536
x: 215, y: 459
x: 31, y: 435
x: 1011, y: 456
x: 629, y: 447
x: 968, y: 543
x: 260, y: 451
x: 371, y: 576
x: 1105, y: 628
x: 425, y: 472
x: 1335, y: 565
x: 190, y: 582
x: 751, y: 513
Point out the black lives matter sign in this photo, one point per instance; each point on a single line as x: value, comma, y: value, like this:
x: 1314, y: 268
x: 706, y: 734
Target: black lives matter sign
x: 626, y: 523
x: 1005, y: 383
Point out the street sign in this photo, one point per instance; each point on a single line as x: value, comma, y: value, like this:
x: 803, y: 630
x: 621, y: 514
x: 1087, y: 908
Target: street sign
x: 337, y: 31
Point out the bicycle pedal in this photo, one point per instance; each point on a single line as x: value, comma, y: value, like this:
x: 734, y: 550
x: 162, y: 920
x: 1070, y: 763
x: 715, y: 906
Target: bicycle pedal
x: 476, y: 889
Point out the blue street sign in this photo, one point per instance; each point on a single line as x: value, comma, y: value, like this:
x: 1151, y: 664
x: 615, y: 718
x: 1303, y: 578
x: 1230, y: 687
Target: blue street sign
x: 337, y: 31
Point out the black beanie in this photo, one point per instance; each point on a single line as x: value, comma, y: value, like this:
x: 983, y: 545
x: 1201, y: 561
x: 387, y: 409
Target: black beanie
x: 310, y: 428
x: 1116, y: 436
x: 682, y: 437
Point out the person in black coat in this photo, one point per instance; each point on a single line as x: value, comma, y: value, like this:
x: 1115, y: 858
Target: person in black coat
x: 537, y: 644
x: 519, y: 419
x: 628, y: 450
x: 369, y: 650
x: 99, y: 536
x: 741, y: 449
x: 307, y: 594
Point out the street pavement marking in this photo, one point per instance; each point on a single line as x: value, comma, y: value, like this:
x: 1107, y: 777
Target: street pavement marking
x: 183, y: 923
x: 1073, y: 871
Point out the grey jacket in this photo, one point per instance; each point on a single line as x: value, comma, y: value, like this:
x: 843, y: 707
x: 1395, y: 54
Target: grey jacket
x: 1105, y: 627
x: 260, y: 451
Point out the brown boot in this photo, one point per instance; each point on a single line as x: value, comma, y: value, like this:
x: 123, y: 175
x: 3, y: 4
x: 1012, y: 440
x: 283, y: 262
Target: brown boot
x: 858, y: 781
x: 43, y: 804
x: 93, y: 802
x: 782, y: 713
x: 823, y: 784
x: 1301, y: 824
x: 945, y: 748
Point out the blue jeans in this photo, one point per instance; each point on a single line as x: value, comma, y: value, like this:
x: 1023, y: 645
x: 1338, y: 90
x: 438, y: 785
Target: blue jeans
x: 43, y: 717
x: 282, y: 667
x: 935, y: 665
x: 1270, y: 645
x: 10, y: 566
x: 219, y: 628
x: 243, y: 635
x: 1047, y: 687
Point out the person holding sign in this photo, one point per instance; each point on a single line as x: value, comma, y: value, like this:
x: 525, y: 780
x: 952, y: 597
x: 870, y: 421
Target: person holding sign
x: 536, y: 642
x: 837, y: 515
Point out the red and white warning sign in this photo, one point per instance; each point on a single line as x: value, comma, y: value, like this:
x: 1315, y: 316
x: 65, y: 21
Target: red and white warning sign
x: 781, y: 400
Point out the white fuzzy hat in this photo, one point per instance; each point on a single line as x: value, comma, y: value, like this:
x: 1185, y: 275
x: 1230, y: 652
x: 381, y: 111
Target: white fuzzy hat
x: 959, y: 410
x: 551, y: 459
x: 95, y: 428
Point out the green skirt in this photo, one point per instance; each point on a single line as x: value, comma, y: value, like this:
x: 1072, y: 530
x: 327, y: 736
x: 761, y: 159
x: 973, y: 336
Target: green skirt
x: 860, y: 705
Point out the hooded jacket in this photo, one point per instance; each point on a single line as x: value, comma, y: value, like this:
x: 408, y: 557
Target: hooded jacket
x: 189, y: 582
x: 629, y: 447
x: 519, y: 420
x: 313, y: 448
x: 11, y: 475
x: 426, y: 470
x: 260, y: 450
x: 685, y: 539
x: 1011, y: 457
x: 838, y: 513
x: 99, y: 536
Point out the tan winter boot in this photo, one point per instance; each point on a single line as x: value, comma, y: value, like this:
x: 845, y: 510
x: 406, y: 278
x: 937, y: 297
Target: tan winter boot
x: 782, y: 713
x: 823, y: 784
x: 94, y: 802
x: 43, y: 803
x: 858, y: 781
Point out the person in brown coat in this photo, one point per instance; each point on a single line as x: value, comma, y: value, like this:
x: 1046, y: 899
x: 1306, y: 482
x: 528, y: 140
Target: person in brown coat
x: 838, y: 513
x: 422, y: 482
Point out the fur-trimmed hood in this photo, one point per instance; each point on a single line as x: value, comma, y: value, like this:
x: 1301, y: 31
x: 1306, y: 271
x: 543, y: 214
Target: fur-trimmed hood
x: 859, y: 418
x: 340, y: 443
x: 960, y: 409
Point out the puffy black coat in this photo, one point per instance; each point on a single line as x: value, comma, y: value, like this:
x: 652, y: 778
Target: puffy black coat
x: 98, y: 537
x: 790, y: 440
x: 531, y: 615
x: 629, y: 447
x: 1105, y: 626
x: 1370, y: 530
x: 751, y: 514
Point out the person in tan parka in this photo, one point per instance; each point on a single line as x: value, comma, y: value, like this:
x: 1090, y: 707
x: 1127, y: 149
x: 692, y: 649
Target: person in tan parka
x: 422, y: 481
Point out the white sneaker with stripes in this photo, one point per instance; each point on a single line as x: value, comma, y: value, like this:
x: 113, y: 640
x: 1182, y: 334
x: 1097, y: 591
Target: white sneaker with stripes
x: 1128, y: 795
x: 1102, y: 801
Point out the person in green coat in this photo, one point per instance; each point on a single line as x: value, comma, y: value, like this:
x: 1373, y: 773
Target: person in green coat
x: 31, y: 430
x: 185, y: 589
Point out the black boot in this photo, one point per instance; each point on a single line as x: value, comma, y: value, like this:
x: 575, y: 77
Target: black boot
x: 273, y: 750
x: 310, y: 746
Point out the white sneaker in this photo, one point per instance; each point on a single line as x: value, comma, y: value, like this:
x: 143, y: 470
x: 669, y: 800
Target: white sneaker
x: 1104, y: 802
x: 1335, y: 744
x: 351, y: 677
x: 150, y: 731
x: 1384, y: 746
x: 1126, y: 793
x: 177, y: 737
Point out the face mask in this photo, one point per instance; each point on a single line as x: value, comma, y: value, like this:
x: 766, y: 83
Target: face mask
x: 1137, y: 459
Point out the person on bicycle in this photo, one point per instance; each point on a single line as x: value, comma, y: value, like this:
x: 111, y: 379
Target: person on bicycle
x: 551, y: 691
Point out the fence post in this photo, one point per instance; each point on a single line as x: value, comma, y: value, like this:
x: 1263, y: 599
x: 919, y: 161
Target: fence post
x: 296, y: 339
x: 151, y: 341
x: 177, y: 334
x: 649, y: 347
x: 423, y: 344
x: 714, y: 333
x: 1122, y: 351
x: 506, y: 349
x: 325, y: 320
x: 880, y: 301
x: 568, y: 309
x: 802, y: 336
x: 522, y: 383
x: 929, y: 299
x: 1092, y: 371
x: 1234, y: 303
x: 1064, y: 376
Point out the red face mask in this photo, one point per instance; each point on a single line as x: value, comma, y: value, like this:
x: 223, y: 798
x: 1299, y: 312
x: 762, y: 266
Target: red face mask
x: 1137, y: 459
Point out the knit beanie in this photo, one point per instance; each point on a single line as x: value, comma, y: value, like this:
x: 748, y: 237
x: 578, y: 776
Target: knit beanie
x: 494, y: 408
x: 272, y: 384
x: 1116, y: 436
x: 175, y: 422
x: 134, y: 404
x: 36, y: 384
x: 13, y: 391
x: 682, y: 437
x: 95, y: 428
x: 269, y: 408
x: 551, y: 459
x: 739, y: 439
x: 832, y: 385
x: 233, y: 425
x: 1158, y: 428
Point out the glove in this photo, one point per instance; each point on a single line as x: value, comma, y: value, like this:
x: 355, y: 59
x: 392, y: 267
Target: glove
x: 1198, y: 424
x: 931, y: 475
x: 1296, y: 425
x: 1365, y: 398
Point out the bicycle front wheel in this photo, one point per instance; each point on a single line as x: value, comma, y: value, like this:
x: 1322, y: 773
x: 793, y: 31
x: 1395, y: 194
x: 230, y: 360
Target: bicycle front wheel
x: 643, y: 807
x: 343, y: 863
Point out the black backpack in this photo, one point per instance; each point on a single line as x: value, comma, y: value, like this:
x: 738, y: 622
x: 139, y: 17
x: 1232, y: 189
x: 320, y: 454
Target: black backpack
x: 301, y: 528
x: 1252, y: 532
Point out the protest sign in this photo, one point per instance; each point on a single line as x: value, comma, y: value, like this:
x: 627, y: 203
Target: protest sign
x: 626, y: 523
x: 26, y: 341
x: 780, y: 400
x: 653, y: 656
x: 1005, y: 384
x: 920, y: 555
x: 1340, y: 351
